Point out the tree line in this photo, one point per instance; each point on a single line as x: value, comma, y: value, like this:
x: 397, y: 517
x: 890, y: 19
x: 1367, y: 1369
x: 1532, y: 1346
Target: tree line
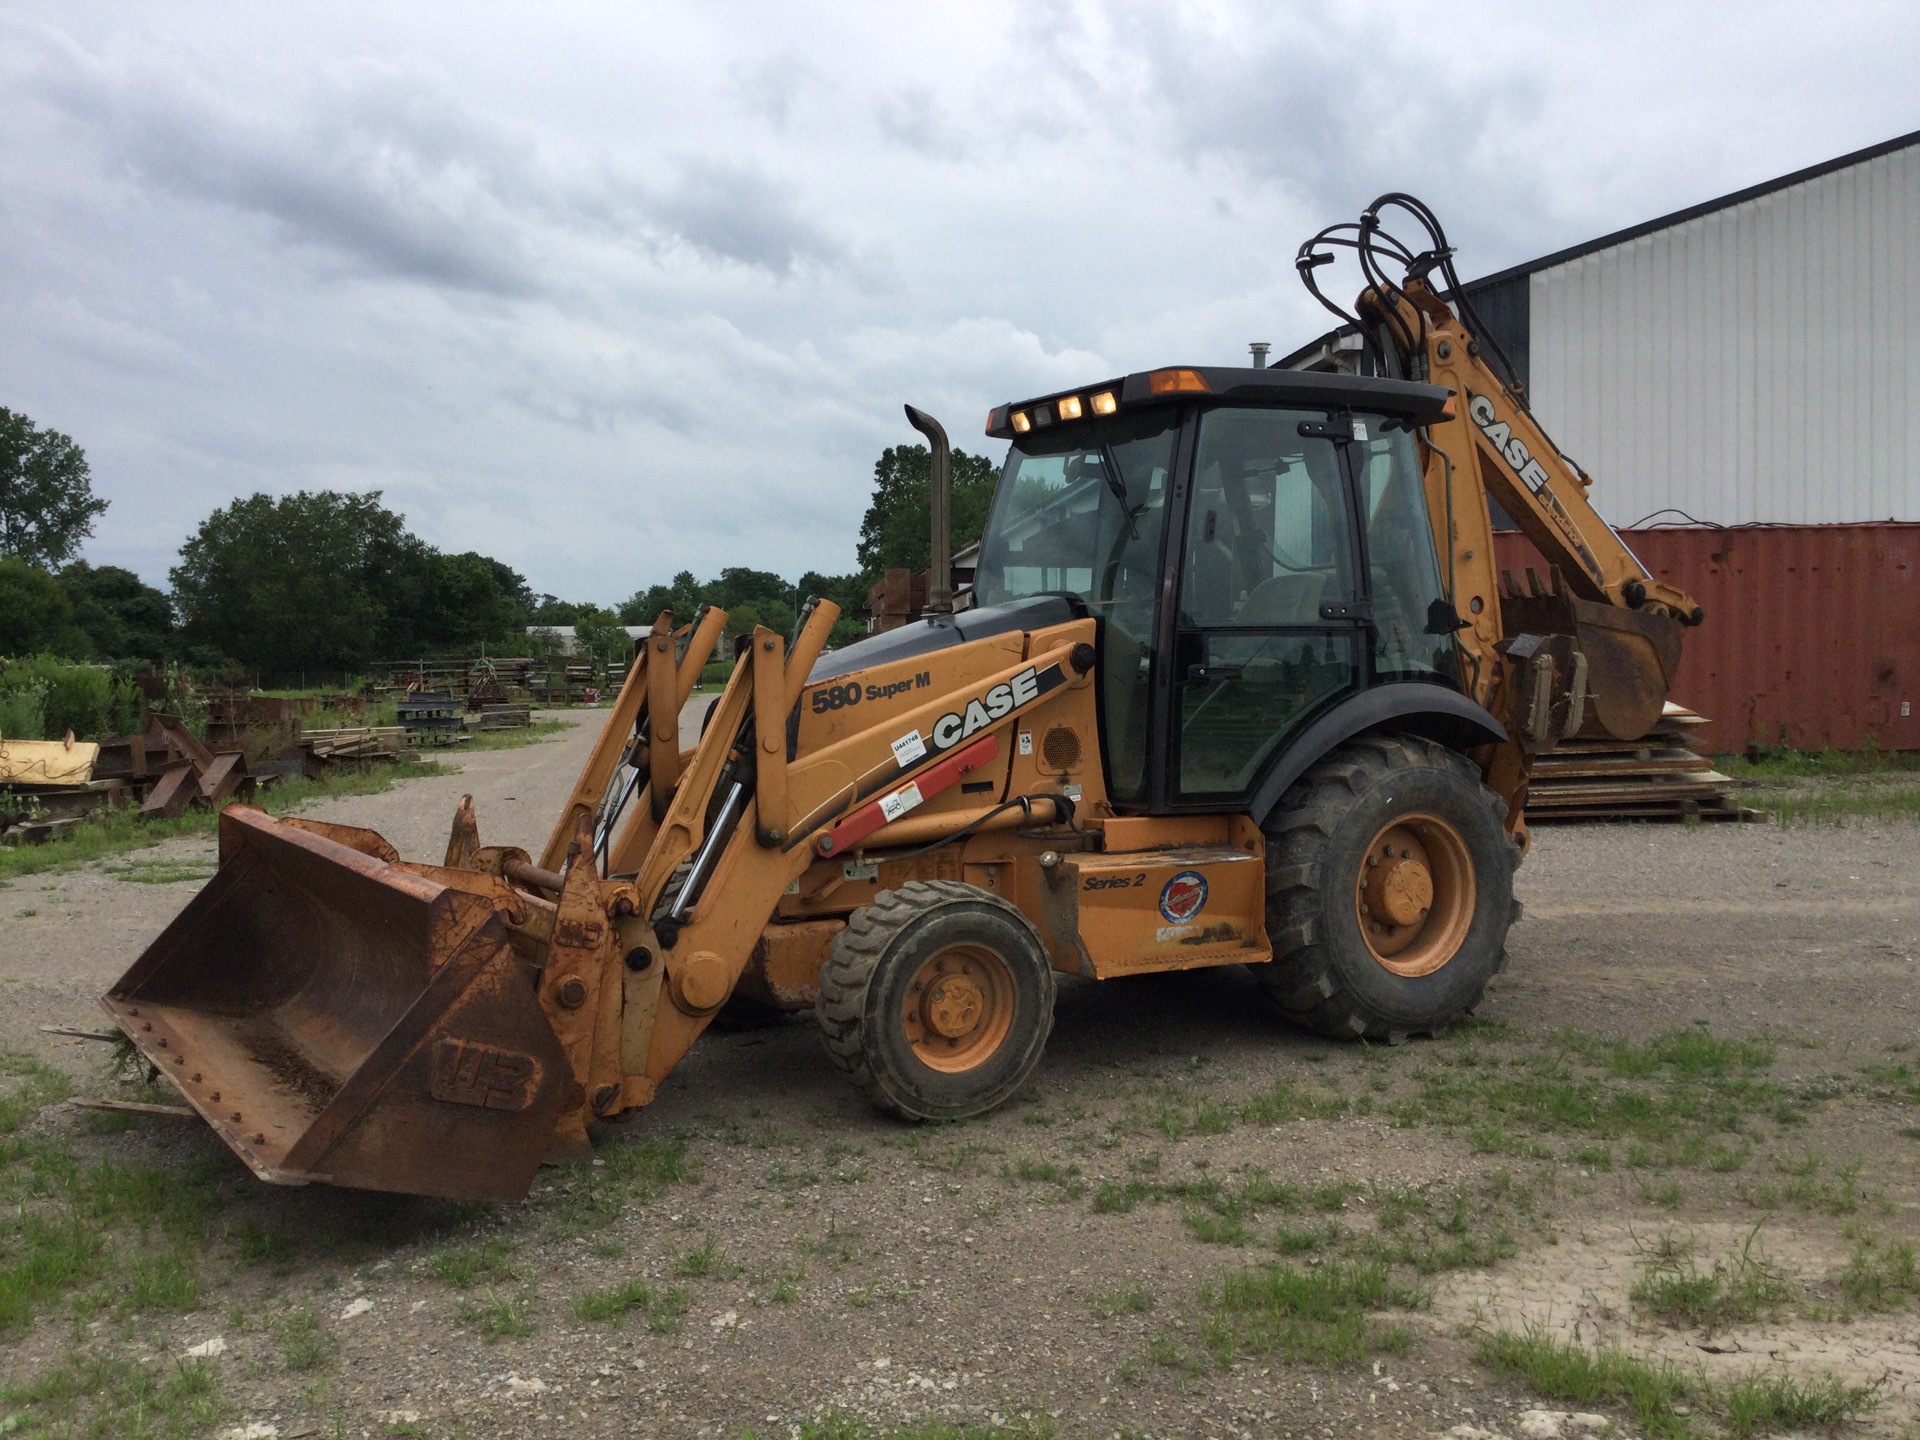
x: 331, y: 581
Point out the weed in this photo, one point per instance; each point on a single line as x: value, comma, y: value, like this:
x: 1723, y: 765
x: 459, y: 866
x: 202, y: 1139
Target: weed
x: 1213, y: 1229
x: 1674, y: 1288
x: 1667, y: 1194
x: 1662, y: 1397
x: 464, y: 1266
x: 1115, y: 1197
x: 662, y: 1309
x: 1881, y: 1278
x: 303, y: 1344
x: 101, y: 1394
x: 1765, y: 1401
x: 496, y: 1318
x: 1319, y: 1316
x: 165, y: 1281
x: 1134, y: 1300
x: 702, y: 1261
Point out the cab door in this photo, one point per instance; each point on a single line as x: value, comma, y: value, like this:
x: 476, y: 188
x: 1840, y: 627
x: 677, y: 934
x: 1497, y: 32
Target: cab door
x: 1271, y: 621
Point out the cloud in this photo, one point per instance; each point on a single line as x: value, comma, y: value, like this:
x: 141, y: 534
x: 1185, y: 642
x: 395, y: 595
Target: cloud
x: 610, y: 292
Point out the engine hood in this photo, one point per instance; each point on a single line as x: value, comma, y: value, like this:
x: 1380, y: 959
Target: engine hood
x: 937, y: 632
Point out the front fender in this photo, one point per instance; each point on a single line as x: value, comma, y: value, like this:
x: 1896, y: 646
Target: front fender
x: 1406, y: 708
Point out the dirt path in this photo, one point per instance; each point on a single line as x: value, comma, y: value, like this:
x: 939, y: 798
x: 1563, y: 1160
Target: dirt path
x: 1704, y: 1030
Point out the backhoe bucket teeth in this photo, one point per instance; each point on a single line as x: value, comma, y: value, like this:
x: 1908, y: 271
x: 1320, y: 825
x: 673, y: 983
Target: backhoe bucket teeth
x: 341, y: 1021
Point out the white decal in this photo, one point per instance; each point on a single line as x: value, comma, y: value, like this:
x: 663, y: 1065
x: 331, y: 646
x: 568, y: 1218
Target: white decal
x: 998, y: 703
x: 1026, y: 740
x: 1360, y: 431
x: 908, y: 748
x: 900, y: 801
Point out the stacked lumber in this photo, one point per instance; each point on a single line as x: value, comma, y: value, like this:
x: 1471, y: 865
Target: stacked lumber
x: 354, y: 742
x: 502, y: 717
x: 1660, y: 776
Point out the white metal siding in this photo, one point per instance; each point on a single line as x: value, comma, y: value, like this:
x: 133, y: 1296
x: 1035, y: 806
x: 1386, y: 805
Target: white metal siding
x: 1755, y: 364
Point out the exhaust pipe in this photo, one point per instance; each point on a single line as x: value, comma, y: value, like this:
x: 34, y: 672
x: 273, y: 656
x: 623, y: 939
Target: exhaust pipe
x: 940, y: 507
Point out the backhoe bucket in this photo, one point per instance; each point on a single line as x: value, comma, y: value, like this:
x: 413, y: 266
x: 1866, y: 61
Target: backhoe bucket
x: 339, y: 1020
x: 1631, y: 658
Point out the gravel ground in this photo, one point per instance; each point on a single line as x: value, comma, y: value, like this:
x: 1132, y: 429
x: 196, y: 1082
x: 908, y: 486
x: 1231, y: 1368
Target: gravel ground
x: 788, y: 1254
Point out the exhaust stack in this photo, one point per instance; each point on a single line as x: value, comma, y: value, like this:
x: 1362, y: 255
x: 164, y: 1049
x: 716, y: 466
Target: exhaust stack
x: 940, y: 507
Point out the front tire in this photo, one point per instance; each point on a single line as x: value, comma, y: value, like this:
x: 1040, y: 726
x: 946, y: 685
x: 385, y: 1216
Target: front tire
x: 1389, y: 891
x: 936, y: 1000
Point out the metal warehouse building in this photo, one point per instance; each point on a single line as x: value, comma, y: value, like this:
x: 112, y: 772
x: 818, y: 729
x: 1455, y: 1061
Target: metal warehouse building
x: 1740, y: 380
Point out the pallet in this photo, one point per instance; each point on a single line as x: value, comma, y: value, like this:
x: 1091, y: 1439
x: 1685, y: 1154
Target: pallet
x: 1659, y: 776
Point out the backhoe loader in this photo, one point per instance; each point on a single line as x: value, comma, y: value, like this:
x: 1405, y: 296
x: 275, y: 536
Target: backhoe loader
x: 1236, y: 684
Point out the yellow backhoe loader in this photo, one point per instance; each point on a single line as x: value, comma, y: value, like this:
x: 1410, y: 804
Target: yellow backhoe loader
x: 1236, y: 684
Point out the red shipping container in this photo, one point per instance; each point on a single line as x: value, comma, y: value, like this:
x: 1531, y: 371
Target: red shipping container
x: 1812, y: 635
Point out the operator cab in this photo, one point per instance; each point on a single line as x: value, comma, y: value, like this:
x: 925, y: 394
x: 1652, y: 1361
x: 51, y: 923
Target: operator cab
x: 1256, y: 545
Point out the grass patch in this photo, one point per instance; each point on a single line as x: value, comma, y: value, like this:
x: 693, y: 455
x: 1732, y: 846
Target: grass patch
x: 635, y: 1172
x: 1687, y: 1098
x: 1130, y: 1300
x: 1881, y: 1277
x: 1317, y: 1316
x: 100, y: 1394
x: 497, y: 1318
x: 1674, y: 1288
x: 661, y: 1309
x: 513, y: 739
x: 1664, y: 1399
x: 465, y: 1266
x: 164, y: 872
x: 303, y: 1344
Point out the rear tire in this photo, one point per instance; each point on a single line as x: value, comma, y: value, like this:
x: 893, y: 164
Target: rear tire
x: 936, y: 1000
x: 1403, y: 945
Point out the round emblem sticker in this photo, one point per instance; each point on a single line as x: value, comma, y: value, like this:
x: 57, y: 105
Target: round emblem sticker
x: 1184, y: 897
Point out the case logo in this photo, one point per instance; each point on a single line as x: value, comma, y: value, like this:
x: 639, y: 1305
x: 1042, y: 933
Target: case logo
x: 1183, y: 897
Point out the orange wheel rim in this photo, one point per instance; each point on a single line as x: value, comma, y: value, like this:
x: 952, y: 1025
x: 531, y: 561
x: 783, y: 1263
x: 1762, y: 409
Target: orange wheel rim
x: 958, y: 1008
x: 1416, y: 895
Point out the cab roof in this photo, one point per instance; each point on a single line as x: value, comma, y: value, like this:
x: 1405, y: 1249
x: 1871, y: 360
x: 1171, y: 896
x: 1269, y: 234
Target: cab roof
x: 1237, y: 385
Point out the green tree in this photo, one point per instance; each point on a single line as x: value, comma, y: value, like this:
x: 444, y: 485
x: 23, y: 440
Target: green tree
x: 47, y: 504
x: 897, y: 530
x: 849, y: 592
x: 683, y: 597
x: 35, y: 612
x: 468, y: 605
x: 312, y: 580
x: 599, y: 635
x: 123, y: 617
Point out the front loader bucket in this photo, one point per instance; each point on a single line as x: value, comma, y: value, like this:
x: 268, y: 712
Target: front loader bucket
x: 339, y: 1020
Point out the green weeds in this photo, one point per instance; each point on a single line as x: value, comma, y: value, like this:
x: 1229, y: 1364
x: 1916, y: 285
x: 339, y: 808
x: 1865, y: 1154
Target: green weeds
x: 497, y: 1318
x: 1674, y: 1288
x: 1319, y: 1316
x: 100, y: 1394
x: 1663, y: 1399
x: 661, y: 1309
x: 465, y: 1266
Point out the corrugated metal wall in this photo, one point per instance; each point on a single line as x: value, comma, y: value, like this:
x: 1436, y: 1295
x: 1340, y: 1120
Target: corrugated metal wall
x: 1812, y: 636
x: 1759, y: 363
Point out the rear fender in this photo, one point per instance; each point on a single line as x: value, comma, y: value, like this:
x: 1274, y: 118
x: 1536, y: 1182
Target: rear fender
x: 1412, y: 708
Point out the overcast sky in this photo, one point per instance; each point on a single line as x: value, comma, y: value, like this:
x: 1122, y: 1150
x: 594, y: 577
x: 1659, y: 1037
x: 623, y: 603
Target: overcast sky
x: 613, y: 290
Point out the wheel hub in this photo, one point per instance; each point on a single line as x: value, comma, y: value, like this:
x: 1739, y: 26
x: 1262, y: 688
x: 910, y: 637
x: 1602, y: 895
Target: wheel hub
x: 952, y: 1006
x: 1400, y: 887
x: 1415, y: 895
